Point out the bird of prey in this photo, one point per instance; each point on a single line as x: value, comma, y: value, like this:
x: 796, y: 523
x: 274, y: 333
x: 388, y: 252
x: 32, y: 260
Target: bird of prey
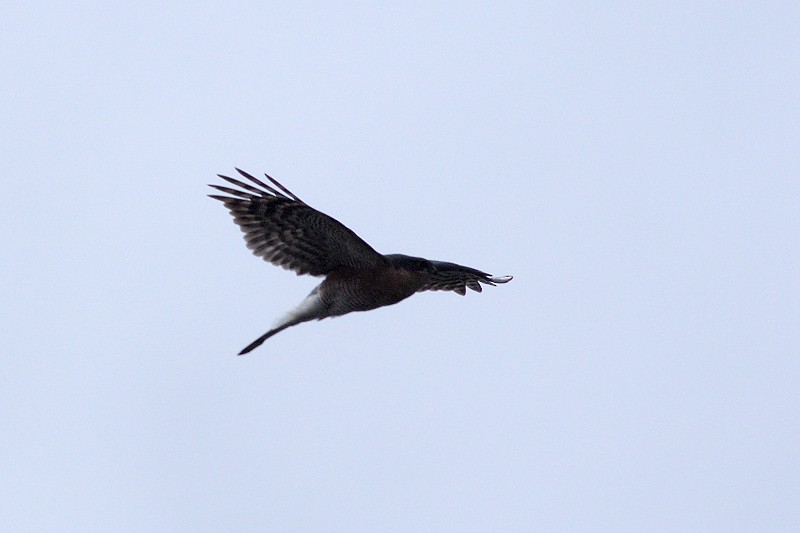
x: 282, y: 229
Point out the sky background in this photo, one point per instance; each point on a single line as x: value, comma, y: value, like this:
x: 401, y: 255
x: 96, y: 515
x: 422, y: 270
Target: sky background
x: 635, y: 166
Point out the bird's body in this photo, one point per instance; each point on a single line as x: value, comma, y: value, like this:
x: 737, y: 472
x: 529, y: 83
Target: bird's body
x: 282, y: 229
x: 350, y: 289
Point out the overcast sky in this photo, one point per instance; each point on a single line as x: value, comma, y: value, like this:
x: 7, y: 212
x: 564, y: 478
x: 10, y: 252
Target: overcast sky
x: 635, y: 166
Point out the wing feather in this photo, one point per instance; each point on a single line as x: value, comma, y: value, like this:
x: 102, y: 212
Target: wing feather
x: 457, y: 278
x: 284, y: 230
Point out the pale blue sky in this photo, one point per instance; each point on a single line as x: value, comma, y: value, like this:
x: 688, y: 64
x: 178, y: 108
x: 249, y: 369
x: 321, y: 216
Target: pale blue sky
x: 635, y: 166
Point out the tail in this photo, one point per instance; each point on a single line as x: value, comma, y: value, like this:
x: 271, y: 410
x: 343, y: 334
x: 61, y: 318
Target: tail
x: 309, y: 309
x: 259, y: 341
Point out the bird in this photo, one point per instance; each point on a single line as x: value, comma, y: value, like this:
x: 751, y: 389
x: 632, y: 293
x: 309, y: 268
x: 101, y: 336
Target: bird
x: 285, y: 231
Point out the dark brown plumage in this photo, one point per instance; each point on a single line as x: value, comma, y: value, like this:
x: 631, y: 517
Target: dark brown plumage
x: 282, y: 229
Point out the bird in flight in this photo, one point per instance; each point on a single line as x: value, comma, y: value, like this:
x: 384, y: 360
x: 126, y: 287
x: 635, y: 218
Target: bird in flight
x: 282, y: 229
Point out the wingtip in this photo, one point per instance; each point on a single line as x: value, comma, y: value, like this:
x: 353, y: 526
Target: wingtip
x: 245, y: 174
x: 500, y: 279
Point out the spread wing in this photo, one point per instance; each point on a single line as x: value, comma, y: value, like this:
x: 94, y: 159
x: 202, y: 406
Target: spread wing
x: 285, y: 231
x: 453, y: 277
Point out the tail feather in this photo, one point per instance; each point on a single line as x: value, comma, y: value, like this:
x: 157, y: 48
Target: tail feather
x: 259, y: 341
x: 309, y: 309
